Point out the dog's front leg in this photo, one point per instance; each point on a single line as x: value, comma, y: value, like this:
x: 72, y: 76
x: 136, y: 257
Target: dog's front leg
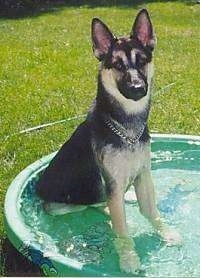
x: 145, y: 192
x: 128, y: 258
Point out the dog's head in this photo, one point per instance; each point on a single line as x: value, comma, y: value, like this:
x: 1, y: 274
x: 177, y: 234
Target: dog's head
x: 125, y: 61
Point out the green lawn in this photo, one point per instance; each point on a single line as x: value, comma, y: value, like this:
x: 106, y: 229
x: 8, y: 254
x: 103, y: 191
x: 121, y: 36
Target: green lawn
x: 48, y: 73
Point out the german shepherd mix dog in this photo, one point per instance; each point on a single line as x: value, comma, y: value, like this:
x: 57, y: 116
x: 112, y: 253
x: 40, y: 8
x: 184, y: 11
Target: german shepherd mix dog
x: 110, y: 150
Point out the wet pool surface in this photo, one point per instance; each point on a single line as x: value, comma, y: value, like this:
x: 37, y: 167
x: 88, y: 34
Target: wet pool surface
x: 87, y: 237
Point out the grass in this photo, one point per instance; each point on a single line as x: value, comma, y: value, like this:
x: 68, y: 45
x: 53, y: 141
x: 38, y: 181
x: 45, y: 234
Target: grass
x: 48, y: 73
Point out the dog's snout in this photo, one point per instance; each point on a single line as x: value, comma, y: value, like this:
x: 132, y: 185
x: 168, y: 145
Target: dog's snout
x: 134, y: 81
x: 133, y: 85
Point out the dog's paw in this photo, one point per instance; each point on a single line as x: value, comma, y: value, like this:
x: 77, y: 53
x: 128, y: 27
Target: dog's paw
x: 129, y: 262
x: 171, y: 236
x: 128, y: 259
x: 168, y: 234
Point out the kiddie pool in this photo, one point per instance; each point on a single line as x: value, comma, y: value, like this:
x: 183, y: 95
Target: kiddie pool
x: 81, y: 243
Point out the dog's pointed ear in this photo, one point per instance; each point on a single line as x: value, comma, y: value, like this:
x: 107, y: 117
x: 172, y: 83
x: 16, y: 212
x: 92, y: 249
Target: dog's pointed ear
x: 102, y: 39
x: 142, y: 29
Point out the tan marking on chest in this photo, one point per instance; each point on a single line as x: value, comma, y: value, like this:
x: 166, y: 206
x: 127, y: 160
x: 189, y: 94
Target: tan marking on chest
x: 124, y: 166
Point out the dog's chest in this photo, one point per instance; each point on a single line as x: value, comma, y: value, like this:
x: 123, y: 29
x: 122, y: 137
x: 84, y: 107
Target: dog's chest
x: 124, y: 165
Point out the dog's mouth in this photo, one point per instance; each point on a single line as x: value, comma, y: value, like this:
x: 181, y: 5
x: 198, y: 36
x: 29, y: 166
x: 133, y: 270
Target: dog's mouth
x: 133, y: 92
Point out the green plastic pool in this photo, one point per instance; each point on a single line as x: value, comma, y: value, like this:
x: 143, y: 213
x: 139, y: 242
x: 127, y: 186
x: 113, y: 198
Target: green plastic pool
x: 81, y: 243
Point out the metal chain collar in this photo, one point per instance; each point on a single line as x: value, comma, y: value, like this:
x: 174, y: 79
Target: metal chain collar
x: 121, y: 132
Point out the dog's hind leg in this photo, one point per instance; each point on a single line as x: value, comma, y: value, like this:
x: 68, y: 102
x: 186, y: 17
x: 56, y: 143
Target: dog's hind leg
x: 55, y: 208
x: 62, y: 208
x: 145, y: 193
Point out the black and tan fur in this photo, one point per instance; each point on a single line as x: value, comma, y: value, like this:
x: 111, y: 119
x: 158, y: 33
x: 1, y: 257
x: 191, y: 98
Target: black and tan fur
x: 97, y: 164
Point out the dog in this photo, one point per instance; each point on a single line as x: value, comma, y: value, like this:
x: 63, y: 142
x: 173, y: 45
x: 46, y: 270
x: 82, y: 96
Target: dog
x: 110, y: 150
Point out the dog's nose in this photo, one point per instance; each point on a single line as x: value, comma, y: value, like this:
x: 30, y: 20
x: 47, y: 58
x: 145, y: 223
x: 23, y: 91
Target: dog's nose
x: 137, y: 84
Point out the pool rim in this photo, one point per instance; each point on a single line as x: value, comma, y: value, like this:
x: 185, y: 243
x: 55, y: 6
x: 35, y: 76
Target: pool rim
x: 16, y: 229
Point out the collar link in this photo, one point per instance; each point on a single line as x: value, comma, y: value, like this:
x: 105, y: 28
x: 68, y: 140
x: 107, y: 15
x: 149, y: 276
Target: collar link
x: 122, y: 133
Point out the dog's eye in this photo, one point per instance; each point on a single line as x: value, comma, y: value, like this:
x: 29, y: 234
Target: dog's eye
x: 141, y: 61
x: 119, y: 66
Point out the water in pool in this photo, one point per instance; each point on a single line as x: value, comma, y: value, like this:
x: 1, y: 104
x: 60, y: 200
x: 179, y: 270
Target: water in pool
x: 87, y: 237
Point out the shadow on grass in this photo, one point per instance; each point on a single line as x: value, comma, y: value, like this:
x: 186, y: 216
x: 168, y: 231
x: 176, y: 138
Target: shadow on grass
x: 13, y: 264
x: 27, y: 8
